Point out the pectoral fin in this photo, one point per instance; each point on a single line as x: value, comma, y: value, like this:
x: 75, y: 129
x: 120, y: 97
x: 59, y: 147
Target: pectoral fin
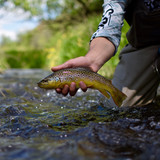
x: 104, y: 92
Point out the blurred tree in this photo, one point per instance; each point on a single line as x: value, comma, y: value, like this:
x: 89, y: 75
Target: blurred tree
x: 49, y: 9
x: 63, y: 33
x: 5, y: 40
x: 31, y: 6
x: 74, y: 7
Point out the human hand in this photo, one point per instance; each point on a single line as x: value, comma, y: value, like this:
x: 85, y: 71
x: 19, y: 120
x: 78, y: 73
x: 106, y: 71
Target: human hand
x: 101, y: 50
x: 76, y: 62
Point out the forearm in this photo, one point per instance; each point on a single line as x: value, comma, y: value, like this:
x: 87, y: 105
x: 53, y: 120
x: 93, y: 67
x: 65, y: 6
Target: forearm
x: 105, y: 40
x: 112, y: 21
x: 101, y: 50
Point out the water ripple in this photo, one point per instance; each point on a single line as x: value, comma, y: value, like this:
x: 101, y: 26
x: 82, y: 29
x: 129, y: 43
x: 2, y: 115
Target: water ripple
x: 39, y: 124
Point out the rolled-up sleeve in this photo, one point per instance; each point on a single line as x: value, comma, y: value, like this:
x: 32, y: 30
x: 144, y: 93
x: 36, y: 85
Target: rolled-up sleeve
x: 112, y: 21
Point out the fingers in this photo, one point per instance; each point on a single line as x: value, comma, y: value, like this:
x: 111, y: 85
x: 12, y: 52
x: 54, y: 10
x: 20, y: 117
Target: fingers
x: 67, y: 64
x: 76, y: 62
x: 62, y: 66
x: 58, y: 90
x: 72, y: 90
x: 63, y: 91
x: 83, y: 86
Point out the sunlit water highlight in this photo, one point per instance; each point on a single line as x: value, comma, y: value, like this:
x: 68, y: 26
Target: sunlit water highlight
x: 40, y: 124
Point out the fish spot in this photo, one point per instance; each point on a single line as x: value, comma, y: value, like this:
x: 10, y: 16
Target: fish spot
x: 66, y: 72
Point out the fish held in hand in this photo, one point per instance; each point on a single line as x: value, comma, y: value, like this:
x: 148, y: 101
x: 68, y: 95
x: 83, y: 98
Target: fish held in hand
x: 92, y: 80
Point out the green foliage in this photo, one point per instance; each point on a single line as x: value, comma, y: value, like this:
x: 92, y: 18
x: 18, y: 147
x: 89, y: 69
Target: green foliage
x: 3, y: 63
x: 55, y: 41
x: 74, y: 42
x: 48, y: 8
x: 70, y: 47
x: 74, y: 7
x: 26, y: 59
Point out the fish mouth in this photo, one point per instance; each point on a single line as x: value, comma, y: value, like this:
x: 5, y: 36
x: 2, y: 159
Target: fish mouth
x: 39, y: 84
x: 42, y: 84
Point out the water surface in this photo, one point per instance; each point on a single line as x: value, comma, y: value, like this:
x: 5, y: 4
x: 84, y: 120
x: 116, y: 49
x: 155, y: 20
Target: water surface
x: 39, y: 124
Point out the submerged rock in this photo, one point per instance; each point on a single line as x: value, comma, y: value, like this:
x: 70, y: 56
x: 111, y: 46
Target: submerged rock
x: 40, y: 124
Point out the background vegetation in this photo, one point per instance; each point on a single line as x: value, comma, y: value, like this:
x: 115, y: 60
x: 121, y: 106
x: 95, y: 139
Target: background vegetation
x: 64, y: 32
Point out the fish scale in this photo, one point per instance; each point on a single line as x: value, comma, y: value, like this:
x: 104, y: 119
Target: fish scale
x: 92, y: 80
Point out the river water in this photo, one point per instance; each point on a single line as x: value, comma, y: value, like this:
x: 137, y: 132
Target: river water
x: 39, y: 124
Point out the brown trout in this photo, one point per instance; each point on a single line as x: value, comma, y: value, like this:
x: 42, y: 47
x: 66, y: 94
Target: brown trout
x: 93, y: 80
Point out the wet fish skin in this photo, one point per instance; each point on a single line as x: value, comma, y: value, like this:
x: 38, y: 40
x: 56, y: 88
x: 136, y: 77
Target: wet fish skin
x: 93, y: 80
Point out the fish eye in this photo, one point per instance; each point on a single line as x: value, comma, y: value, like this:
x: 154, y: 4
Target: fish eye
x: 56, y: 79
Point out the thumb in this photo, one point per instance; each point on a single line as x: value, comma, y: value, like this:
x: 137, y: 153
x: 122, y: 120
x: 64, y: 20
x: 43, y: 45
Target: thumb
x: 62, y: 66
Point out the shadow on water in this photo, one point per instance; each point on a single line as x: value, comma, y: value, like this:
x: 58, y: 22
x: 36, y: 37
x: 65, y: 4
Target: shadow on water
x: 39, y: 124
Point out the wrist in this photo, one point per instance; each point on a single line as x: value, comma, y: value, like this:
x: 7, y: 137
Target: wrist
x: 101, y: 50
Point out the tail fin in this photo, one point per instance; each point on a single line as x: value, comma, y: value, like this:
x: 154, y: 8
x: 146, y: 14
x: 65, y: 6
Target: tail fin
x: 117, y: 96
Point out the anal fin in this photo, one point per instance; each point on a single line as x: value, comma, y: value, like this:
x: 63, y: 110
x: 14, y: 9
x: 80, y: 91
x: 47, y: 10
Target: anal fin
x: 104, y: 92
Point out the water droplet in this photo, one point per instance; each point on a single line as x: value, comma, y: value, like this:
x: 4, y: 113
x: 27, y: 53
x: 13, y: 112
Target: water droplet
x: 35, y: 88
x: 11, y: 118
x: 10, y: 146
x: 48, y: 94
